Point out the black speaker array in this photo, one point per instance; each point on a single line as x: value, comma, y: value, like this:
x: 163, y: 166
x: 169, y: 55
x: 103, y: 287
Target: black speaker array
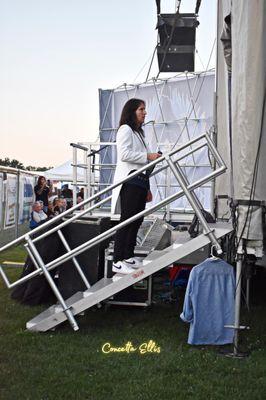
x: 176, y: 47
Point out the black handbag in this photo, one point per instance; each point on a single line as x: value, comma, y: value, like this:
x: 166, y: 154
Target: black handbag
x: 193, y: 229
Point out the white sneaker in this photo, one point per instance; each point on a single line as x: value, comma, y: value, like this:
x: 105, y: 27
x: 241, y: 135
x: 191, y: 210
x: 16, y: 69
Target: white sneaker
x: 133, y: 262
x: 120, y: 267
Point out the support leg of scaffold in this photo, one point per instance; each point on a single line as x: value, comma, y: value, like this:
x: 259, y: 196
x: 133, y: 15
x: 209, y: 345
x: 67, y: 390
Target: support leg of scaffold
x: 237, y: 327
x: 194, y: 202
x: 53, y: 286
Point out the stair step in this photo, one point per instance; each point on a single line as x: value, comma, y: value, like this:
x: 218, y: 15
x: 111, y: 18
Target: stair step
x: 102, y: 283
x: 107, y: 287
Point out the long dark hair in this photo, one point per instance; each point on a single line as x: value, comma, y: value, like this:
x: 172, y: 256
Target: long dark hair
x: 128, y: 115
x: 39, y: 180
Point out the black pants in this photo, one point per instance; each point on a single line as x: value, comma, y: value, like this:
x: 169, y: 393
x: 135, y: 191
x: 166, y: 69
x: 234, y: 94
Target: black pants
x: 133, y: 200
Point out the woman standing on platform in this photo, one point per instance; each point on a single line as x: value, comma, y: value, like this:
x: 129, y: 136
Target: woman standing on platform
x: 130, y: 198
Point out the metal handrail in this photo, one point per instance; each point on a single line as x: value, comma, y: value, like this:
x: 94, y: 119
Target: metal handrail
x: 187, y: 190
x: 106, y: 190
x: 90, y: 168
x: 159, y: 144
x: 98, y: 239
x: 72, y: 253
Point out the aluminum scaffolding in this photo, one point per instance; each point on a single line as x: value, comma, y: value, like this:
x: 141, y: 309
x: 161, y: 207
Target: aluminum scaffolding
x: 67, y: 309
x: 178, y: 111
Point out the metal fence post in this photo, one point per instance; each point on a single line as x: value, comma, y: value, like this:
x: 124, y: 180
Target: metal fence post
x: 17, y: 205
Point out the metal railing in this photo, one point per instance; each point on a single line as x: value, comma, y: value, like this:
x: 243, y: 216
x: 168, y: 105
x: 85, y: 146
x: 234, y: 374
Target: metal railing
x: 98, y: 173
x: 187, y: 189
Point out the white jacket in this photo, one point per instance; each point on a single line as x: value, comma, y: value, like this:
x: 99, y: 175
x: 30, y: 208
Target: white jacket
x: 131, y: 155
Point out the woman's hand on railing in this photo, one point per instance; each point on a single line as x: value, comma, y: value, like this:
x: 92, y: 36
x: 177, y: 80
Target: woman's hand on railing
x: 153, y: 156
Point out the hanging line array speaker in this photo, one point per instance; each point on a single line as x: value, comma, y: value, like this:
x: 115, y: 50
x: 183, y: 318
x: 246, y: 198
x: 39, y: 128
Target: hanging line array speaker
x: 176, y: 46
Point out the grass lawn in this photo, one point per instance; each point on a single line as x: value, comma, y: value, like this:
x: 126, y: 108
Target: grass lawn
x: 71, y: 365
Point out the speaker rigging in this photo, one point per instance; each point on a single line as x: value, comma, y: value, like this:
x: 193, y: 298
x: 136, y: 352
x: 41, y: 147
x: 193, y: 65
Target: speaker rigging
x: 176, y: 40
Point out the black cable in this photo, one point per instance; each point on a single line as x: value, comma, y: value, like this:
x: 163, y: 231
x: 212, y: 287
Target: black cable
x: 197, y: 6
x: 151, y: 63
x: 178, y: 6
x: 158, y: 4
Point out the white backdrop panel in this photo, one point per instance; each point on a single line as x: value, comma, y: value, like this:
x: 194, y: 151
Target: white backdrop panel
x: 181, y: 108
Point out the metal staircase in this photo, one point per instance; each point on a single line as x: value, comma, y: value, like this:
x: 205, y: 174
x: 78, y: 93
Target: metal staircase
x: 107, y: 287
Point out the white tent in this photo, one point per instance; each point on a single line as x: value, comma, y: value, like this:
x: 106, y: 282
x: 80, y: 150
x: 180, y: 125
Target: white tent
x: 241, y: 138
x: 242, y: 146
x: 64, y: 172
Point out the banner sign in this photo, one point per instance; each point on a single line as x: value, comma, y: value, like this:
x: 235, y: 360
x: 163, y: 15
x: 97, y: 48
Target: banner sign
x: 26, y: 197
x: 11, y: 199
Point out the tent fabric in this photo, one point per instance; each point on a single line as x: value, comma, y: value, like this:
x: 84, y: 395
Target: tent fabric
x: 248, y: 91
x: 64, y: 172
x: 247, y: 97
x: 223, y: 184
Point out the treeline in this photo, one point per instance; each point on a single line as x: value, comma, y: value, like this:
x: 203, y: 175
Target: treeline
x: 17, y: 164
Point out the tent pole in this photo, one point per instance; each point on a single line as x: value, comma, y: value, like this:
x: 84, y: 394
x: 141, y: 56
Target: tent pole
x: 75, y: 175
x: 214, y: 124
x: 239, y: 265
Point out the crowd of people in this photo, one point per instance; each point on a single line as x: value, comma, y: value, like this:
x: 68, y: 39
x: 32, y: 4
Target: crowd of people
x: 48, y: 204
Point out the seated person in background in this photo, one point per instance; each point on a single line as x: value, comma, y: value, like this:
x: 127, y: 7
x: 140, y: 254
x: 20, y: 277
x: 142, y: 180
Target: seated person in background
x: 37, y: 215
x: 64, y: 204
x: 42, y: 205
x: 50, y: 211
x: 56, y: 204
x: 67, y: 194
x: 59, y: 206
x: 81, y: 193
x: 79, y: 200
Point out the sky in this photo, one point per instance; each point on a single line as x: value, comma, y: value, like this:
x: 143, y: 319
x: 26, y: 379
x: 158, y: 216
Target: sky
x: 56, y: 54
